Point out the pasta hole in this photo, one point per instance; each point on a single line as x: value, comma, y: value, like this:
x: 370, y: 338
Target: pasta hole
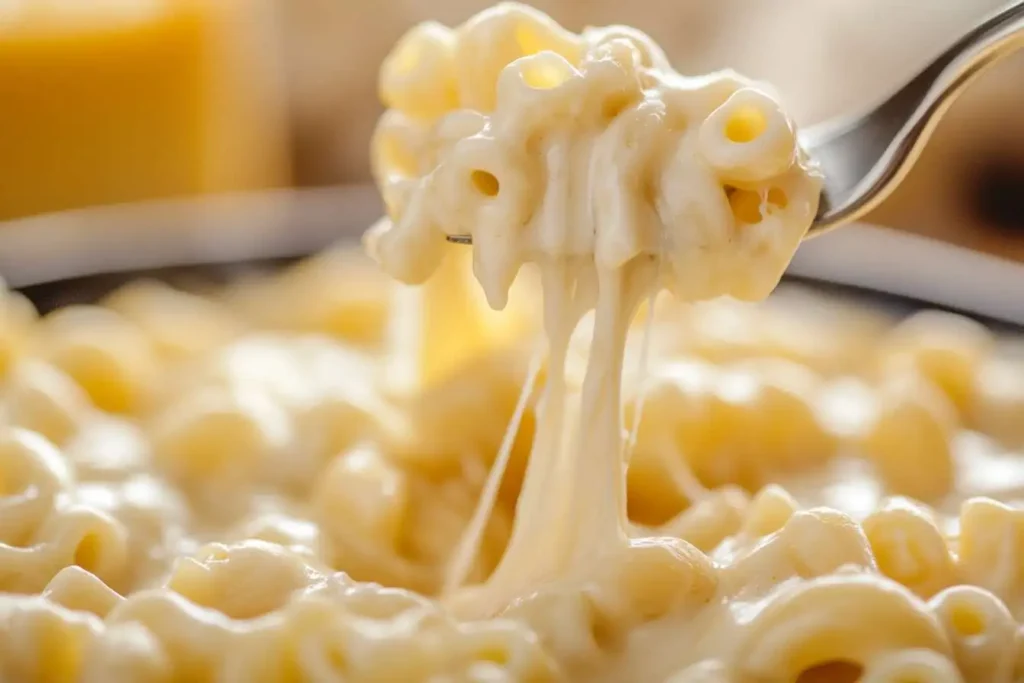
x: 745, y: 205
x: 485, y: 183
x: 541, y: 76
x: 777, y: 197
x: 836, y: 671
x: 87, y: 554
x: 967, y: 621
x: 746, y: 124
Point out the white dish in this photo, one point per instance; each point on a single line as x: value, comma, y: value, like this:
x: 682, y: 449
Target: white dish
x: 892, y: 262
x: 286, y: 223
x: 151, y: 235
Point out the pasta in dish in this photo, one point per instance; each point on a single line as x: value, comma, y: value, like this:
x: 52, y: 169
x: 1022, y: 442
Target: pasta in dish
x: 324, y: 475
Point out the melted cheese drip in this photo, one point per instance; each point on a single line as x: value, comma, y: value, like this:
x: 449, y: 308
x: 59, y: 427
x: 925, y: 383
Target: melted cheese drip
x: 588, y: 156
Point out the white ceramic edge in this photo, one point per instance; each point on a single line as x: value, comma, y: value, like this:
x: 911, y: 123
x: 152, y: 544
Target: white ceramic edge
x: 292, y: 222
x: 894, y: 262
x: 149, y: 235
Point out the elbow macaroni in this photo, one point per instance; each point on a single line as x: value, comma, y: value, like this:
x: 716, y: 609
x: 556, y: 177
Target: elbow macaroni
x: 711, y: 161
x: 233, y: 488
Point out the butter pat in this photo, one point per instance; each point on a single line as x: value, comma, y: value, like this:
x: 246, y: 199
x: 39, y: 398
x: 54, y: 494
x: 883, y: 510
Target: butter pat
x: 111, y: 101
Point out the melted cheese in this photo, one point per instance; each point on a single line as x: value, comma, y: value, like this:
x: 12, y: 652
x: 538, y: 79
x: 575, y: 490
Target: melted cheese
x: 615, y: 176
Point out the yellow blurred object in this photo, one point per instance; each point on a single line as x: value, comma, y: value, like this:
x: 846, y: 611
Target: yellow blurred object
x: 439, y: 326
x: 110, y: 101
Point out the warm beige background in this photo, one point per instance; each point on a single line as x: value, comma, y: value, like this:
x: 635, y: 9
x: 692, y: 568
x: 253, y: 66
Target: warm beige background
x: 826, y: 56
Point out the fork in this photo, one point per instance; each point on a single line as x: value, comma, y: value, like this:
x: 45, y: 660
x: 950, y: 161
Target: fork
x: 864, y: 158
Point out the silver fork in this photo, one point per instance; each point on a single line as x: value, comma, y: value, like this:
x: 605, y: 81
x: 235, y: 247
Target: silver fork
x: 865, y: 157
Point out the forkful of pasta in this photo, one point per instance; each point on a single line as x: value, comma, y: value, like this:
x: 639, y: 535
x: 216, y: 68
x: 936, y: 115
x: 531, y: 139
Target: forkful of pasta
x: 863, y: 158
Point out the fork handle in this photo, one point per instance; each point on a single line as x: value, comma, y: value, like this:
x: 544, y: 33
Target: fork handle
x: 938, y: 86
x: 917, y: 107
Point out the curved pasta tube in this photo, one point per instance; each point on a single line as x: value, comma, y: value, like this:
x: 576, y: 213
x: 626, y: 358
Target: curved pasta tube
x: 86, y: 537
x: 323, y: 656
x: 439, y: 511
x: 605, y: 110
x: 813, y: 543
x: 179, y: 324
x: 78, y: 589
x: 920, y: 666
x: 32, y: 473
x: 769, y: 512
x: 786, y: 203
x: 126, y: 652
x: 997, y: 401
x: 51, y: 536
x: 419, y: 76
x: 218, y: 434
x: 660, y: 481
x: 193, y: 638
x: 798, y: 629
x: 909, y: 547
x: 946, y: 348
x: 651, y: 54
x: 495, y: 38
x: 511, y: 646
x: 991, y: 547
x: 153, y: 516
x: 242, y: 581
x: 710, y: 520
x: 42, y: 642
x: 654, y: 577
x: 982, y: 631
x: 333, y: 425
x: 362, y: 493
x: 108, y: 356
x: 789, y: 431
x: 909, y: 440
x: 42, y: 399
x: 748, y: 139
x: 17, y: 322
x: 398, y: 149
x: 301, y: 536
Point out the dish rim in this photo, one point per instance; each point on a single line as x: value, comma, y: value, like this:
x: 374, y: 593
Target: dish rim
x: 232, y: 231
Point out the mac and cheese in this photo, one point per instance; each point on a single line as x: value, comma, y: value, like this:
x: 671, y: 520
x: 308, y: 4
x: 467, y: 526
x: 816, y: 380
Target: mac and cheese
x: 323, y: 475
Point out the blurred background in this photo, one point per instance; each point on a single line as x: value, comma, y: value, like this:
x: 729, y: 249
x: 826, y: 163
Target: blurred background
x: 117, y: 101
